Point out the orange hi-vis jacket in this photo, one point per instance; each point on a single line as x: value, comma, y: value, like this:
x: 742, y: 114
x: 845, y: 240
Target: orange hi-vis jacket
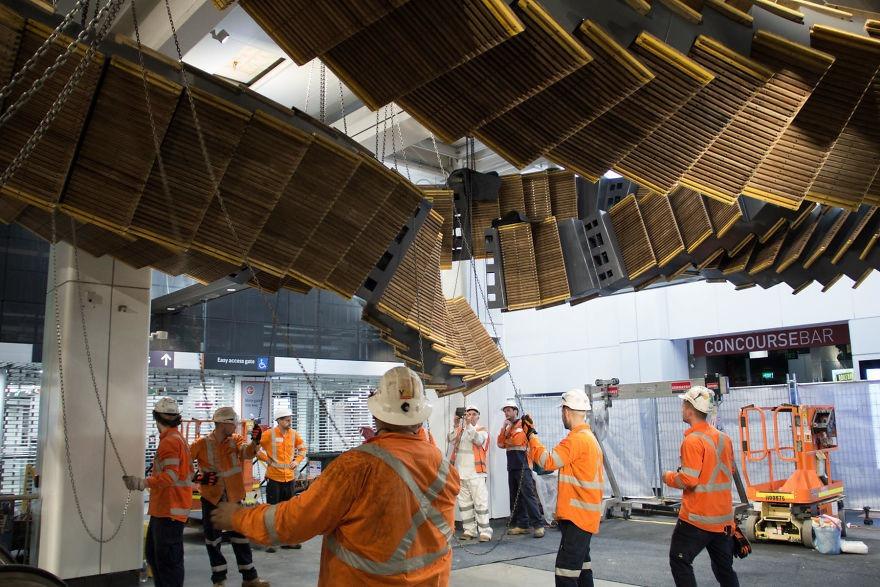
x: 513, y: 439
x: 579, y: 460
x: 283, y: 451
x: 704, y: 478
x: 224, y: 458
x: 480, y: 450
x: 169, y: 484
x: 385, y: 509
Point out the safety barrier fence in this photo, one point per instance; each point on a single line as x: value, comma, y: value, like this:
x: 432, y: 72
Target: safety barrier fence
x: 642, y: 437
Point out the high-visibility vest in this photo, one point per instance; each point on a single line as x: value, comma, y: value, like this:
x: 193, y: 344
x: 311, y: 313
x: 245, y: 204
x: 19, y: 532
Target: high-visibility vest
x: 480, y: 450
x: 286, y: 449
x: 579, y: 460
x: 169, y: 484
x: 513, y: 440
x: 705, y: 478
x: 225, y: 459
x: 385, y: 510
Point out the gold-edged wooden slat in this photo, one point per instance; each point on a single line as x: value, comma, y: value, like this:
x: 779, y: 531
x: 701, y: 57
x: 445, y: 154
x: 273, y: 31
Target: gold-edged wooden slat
x: 536, y: 190
x: 511, y: 197
x: 686, y: 9
x: 549, y: 262
x: 663, y: 232
x: 731, y: 11
x: 723, y: 216
x: 643, y: 7
x: 691, y: 216
x: 442, y: 201
x: 737, y: 262
x: 490, y: 84
x: 597, y: 147
x: 853, y: 234
x: 825, y: 242
x: 520, y: 271
x: 780, y: 10
x: 767, y: 254
x: 563, y: 194
x: 635, y: 244
x: 797, y: 244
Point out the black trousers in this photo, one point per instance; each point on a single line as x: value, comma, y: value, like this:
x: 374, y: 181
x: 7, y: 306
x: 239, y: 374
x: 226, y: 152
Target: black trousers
x: 165, y: 551
x: 527, y: 513
x: 687, y: 542
x: 573, y: 566
x: 240, y: 546
x: 278, y: 491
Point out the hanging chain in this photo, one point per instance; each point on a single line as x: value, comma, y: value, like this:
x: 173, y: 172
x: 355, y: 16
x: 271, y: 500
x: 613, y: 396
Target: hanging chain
x: 376, y: 130
x: 402, y: 147
x: 309, y: 86
x: 50, y: 40
x: 323, y: 95
x: 153, y: 128
x: 35, y: 138
x: 111, y: 7
x: 342, y: 107
x: 216, y: 192
x: 62, y: 390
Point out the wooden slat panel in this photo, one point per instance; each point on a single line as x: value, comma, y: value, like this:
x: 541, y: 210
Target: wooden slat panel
x: 456, y: 30
x: 442, y: 201
x: 531, y: 128
x: 189, y: 183
x: 662, y: 158
x: 855, y: 158
x: 495, y: 81
x: 536, y: 189
x: 822, y: 245
x: 691, y: 216
x: 854, y: 233
x: 267, y: 155
x: 41, y: 179
x: 511, y: 196
x: 787, y: 172
x: 11, y: 29
x: 597, y: 147
x: 766, y: 255
x: 550, y: 265
x: 723, y: 216
x: 117, y: 152
x: 797, y: 244
x: 482, y: 215
x: 305, y: 29
x: 520, y: 271
x: 563, y: 194
x: 666, y: 240
x: 727, y: 166
x: 635, y: 246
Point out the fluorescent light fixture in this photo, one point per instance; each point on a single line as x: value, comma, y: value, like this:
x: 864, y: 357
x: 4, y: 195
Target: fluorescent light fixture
x: 611, y: 175
x: 220, y: 36
x: 231, y: 289
x: 757, y: 354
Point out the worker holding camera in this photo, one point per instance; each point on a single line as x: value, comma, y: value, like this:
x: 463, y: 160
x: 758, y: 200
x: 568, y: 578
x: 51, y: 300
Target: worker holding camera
x: 468, y: 448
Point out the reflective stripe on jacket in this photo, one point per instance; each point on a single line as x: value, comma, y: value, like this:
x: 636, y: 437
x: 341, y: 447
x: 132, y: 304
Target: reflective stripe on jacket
x: 385, y: 509
x: 286, y: 451
x: 581, y: 480
x: 224, y: 458
x: 480, y: 449
x: 513, y: 439
x: 704, y: 478
x: 169, y: 483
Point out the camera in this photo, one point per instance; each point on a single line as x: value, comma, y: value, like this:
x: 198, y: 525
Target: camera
x: 460, y: 412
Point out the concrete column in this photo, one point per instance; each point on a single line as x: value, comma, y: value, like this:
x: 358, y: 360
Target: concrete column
x: 116, y: 301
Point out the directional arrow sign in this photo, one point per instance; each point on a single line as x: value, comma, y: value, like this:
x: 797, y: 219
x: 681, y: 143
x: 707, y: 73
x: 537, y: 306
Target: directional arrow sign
x: 162, y: 359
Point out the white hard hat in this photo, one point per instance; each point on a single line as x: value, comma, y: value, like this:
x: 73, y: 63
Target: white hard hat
x: 472, y: 407
x: 225, y: 415
x: 700, y: 397
x: 576, y: 399
x: 510, y: 403
x: 400, y: 398
x: 167, y: 405
x: 283, y: 413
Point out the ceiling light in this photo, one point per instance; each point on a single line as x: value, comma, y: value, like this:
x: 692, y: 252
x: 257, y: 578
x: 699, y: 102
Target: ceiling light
x: 231, y: 289
x: 220, y: 36
x: 170, y: 308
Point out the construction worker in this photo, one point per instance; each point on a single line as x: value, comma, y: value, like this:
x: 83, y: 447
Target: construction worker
x: 170, y: 496
x: 385, y: 508
x: 469, y: 444
x: 283, y: 449
x: 524, y: 510
x: 579, y: 503
x: 705, y: 519
x: 224, y: 452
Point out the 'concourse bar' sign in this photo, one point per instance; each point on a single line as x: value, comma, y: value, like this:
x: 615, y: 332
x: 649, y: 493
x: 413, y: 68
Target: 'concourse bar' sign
x: 772, y: 340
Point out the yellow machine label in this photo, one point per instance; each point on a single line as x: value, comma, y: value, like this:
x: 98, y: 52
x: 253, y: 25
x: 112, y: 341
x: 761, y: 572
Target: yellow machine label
x: 775, y: 496
x: 831, y: 492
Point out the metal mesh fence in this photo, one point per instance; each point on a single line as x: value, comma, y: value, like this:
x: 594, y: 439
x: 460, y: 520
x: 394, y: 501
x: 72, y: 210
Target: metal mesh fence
x: 642, y: 437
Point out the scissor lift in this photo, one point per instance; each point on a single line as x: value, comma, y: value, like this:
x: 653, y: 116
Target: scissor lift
x: 787, y: 505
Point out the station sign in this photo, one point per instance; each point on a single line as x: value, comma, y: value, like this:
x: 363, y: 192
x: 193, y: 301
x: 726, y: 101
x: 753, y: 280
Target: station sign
x: 161, y: 360
x: 772, y: 340
x: 239, y: 363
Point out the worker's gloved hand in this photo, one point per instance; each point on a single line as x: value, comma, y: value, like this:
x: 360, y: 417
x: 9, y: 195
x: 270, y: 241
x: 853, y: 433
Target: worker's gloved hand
x: 528, y: 426
x: 209, y: 478
x: 256, y: 434
x: 133, y: 483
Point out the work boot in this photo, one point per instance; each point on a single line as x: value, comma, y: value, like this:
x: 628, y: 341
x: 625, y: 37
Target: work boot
x: 291, y: 546
x: 467, y: 536
x: 255, y: 583
x: 539, y: 532
x: 270, y: 549
x: 515, y: 531
x: 485, y: 538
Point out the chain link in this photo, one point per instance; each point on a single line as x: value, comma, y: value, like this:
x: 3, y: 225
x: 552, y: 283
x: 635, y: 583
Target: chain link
x: 323, y: 96
x: 62, y: 390
x: 27, y: 150
x: 402, y: 147
x: 342, y: 107
x: 309, y: 86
